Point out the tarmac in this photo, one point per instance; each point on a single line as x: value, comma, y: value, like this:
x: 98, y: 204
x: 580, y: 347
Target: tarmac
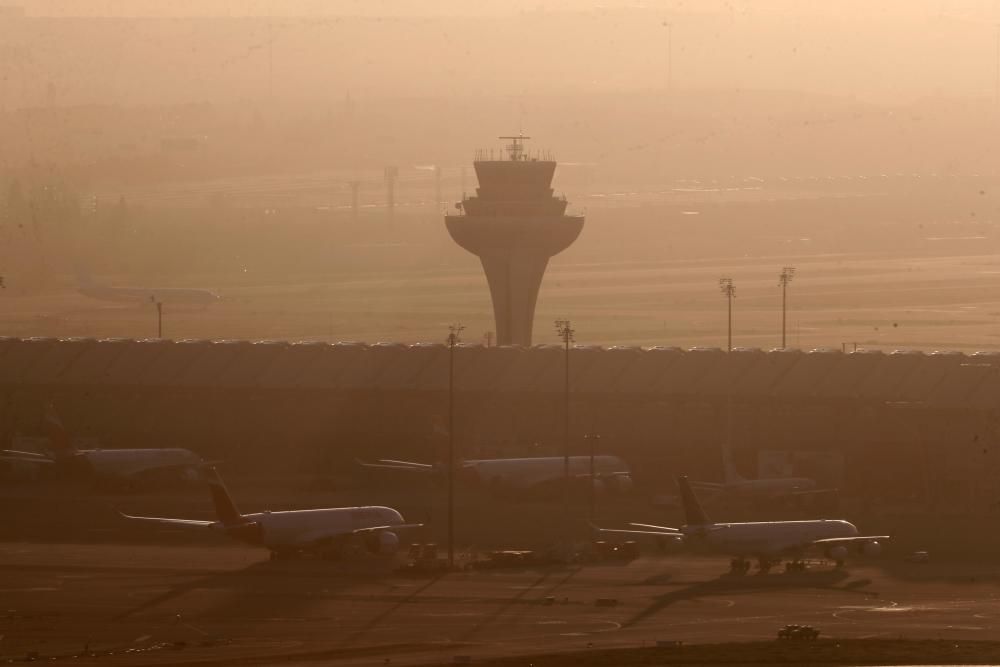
x: 115, y: 604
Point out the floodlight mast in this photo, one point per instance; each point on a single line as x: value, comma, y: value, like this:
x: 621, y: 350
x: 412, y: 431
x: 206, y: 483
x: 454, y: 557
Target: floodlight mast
x: 593, y: 439
x: 787, y: 273
x: 729, y: 291
x: 565, y: 330
x: 454, y: 338
x: 159, y: 313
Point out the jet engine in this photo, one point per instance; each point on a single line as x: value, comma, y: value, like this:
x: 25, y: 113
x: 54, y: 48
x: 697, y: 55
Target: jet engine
x: 870, y: 548
x: 837, y: 553
x: 251, y: 532
x: 612, y: 484
x: 624, y: 483
x: 383, y: 542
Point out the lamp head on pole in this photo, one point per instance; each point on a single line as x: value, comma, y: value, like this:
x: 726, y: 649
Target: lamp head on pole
x: 787, y: 273
x: 727, y: 288
x: 565, y: 331
x: 455, y: 334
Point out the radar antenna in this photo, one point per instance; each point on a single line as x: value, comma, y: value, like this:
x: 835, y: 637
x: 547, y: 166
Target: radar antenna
x: 515, y: 149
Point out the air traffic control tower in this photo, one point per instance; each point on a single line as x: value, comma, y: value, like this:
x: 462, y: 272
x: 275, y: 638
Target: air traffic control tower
x: 514, y: 224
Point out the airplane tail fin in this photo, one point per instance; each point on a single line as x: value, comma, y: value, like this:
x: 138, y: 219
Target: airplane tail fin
x: 59, y: 439
x: 694, y: 515
x: 225, y: 508
x: 731, y: 474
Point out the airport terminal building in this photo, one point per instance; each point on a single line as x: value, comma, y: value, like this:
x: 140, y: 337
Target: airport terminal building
x: 848, y: 420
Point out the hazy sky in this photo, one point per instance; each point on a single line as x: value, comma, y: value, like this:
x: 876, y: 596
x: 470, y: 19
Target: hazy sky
x: 859, y: 9
x: 894, y: 53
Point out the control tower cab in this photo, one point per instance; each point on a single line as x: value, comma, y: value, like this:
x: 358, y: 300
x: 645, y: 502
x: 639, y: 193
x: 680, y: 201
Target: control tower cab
x: 514, y: 224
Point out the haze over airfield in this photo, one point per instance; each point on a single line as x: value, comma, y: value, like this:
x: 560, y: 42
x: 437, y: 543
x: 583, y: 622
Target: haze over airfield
x: 700, y: 139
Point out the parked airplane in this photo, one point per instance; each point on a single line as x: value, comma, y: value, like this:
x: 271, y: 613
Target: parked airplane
x: 773, y: 488
x: 610, y: 472
x: 107, y: 466
x: 769, y: 542
x: 326, y: 532
x: 181, y: 295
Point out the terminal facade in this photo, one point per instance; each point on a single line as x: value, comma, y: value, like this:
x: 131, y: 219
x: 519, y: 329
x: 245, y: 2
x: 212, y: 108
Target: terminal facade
x: 906, y: 426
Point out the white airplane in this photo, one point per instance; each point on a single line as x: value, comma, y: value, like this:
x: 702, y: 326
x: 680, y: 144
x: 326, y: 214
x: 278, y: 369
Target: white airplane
x: 611, y: 474
x: 772, y: 488
x: 179, y: 295
x: 325, y: 532
x: 107, y: 466
x: 770, y: 542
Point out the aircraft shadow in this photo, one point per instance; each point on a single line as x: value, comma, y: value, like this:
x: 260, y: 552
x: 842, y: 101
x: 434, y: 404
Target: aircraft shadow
x: 838, y: 580
x: 504, y: 606
x: 286, y: 586
x: 954, y: 573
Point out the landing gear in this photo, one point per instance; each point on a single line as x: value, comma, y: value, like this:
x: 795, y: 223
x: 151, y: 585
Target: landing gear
x: 840, y: 563
x: 764, y: 565
x: 795, y: 566
x: 739, y: 566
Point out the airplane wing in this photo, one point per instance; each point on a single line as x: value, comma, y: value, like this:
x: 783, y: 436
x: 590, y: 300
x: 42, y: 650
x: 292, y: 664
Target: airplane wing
x: 706, y: 485
x: 655, y: 533
x: 377, y: 529
x: 389, y: 464
x: 664, y: 529
x: 662, y: 532
x: 810, y: 492
x: 618, y: 473
x: 186, y: 523
x: 134, y: 468
x: 25, y: 457
x: 834, y: 541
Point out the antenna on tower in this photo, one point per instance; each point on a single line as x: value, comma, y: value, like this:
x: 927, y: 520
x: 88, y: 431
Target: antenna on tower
x: 515, y: 149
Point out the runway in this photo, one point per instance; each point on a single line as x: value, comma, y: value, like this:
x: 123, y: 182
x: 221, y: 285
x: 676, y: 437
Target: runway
x: 230, y: 605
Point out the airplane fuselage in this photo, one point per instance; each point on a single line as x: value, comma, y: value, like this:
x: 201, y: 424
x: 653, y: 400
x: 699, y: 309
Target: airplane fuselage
x: 123, y: 463
x: 765, y: 538
x: 294, y: 529
x: 759, y: 488
x: 771, y: 487
x: 526, y: 472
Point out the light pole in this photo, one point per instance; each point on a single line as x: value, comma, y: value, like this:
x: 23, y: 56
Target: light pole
x: 159, y: 316
x: 787, y: 273
x: 454, y: 333
x: 592, y: 439
x: 729, y: 291
x: 391, y: 176
x: 565, y: 331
